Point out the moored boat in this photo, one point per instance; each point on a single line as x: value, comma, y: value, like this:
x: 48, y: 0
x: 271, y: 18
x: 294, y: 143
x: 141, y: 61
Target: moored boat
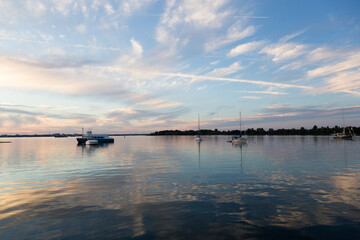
x: 198, y: 137
x: 345, y: 134
x: 238, y: 139
x: 100, y: 138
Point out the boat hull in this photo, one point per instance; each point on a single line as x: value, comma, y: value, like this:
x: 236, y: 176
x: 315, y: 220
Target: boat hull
x: 100, y: 141
x: 343, y: 137
x: 239, y: 141
x: 92, y: 142
x: 198, y: 139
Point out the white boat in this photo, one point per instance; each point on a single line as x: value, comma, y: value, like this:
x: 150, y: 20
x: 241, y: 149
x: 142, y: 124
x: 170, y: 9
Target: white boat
x: 345, y: 135
x: 100, y: 138
x: 198, y: 138
x: 238, y: 139
x: 92, y: 142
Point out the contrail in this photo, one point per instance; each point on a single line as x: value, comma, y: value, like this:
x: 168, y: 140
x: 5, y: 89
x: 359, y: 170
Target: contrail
x: 209, y: 78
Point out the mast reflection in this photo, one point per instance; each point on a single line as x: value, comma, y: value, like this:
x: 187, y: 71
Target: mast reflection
x: 241, y: 146
x: 199, y: 143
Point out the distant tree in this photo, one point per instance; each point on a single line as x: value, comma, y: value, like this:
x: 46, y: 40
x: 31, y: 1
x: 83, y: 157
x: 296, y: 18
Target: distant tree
x: 302, y: 131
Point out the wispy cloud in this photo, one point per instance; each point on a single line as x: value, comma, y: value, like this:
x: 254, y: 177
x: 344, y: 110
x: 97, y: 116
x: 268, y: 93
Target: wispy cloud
x: 352, y: 61
x: 302, y: 114
x: 263, y: 92
x: 291, y: 36
x: 343, y: 75
x: 189, y: 24
x: 145, y: 118
x: 235, y: 33
x: 137, y: 48
x: 251, y: 97
x: 38, y: 118
x: 196, y: 13
x: 222, y: 72
x: 82, y: 81
x: 109, y: 9
x: 284, y: 51
x: 244, y: 48
x: 129, y: 7
x: 64, y: 7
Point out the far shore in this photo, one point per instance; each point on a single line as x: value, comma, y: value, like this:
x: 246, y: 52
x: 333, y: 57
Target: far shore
x: 315, y: 131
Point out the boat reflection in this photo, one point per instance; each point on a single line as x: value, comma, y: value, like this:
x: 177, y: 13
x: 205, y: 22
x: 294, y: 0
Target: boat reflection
x: 242, y: 147
x: 199, y: 144
x: 91, y: 149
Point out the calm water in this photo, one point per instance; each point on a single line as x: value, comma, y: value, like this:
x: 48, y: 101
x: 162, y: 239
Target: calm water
x: 172, y: 188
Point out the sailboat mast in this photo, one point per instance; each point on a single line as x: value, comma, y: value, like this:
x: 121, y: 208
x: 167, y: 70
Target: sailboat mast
x: 240, y: 122
x: 198, y: 124
x: 343, y: 121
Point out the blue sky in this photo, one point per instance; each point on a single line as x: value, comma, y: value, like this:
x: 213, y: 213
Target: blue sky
x: 140, y: 66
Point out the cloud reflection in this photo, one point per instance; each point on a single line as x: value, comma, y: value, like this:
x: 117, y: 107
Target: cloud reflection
x: 152, y: 187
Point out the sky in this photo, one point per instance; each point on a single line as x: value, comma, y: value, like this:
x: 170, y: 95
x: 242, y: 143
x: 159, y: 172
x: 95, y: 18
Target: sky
x: 138, y: 66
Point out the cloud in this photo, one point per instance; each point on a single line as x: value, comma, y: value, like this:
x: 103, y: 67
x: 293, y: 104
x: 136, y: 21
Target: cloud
x: 198, y: 26
x: 323, y: 53
x: 263, y: 92
x: 284, y: 51
x: 143, y: 118
x: 221, y: 72
x: 80, y: 81
x: 17, y: 110
x: 128, y: 7
x: 352, y: 61
x: 36, y: 7
x: 252, y: 97
x: 137, y: 48
x: 347, y: 81
x: 244, y: 48
x: 109, y: 9
x: 302, y: 114
x: 63, y: 6
x: 340, y: 74
x: 291, y: 36
x: 201, y: 88
x: 195, y: 13
x: 81, y: 28
x: 234, y: 33
x: 38, y: 118
x: 16, y: 11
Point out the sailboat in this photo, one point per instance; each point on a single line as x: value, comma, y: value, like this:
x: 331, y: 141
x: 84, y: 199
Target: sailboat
x: 198, y: 138
x: 238, y: 139
x: 344, y: 135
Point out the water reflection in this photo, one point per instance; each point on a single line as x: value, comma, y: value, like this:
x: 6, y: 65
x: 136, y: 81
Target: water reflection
x: 153, y: 187
x: 91, y: 149
x: 242, y: 150
x: 199, y: 144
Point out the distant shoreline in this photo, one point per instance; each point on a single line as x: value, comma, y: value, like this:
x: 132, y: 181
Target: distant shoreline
x: 62, y: 135
x: 315, y: 131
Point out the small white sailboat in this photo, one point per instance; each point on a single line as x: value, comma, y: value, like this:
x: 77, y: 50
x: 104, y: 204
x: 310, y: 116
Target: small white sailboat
x: 238, y: 139
x: 345, y: 135
x: 198, y: 137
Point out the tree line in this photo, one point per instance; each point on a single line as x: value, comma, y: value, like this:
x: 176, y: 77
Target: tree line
x: 260, y: 131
